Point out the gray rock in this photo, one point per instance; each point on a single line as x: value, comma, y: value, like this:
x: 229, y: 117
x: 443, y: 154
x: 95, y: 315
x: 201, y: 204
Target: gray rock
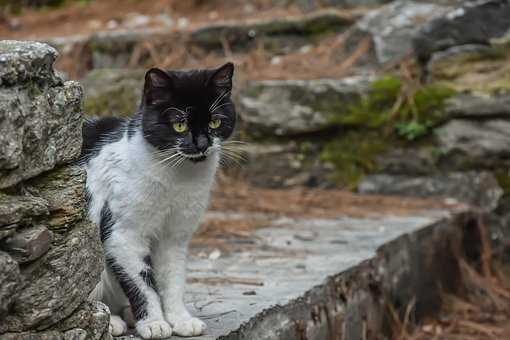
x: 28, y: 244
x: 112, y: 91
x: 92, y: 317
x: 7, y: 230
x: 26, y: 61
x: 9, y: 282
x: 478, y: 106
x: 394, y: 26
x: 286, y: 107
x: 282, y: 32
x: 56, y: 284
x: 40, y: 127
x: 45, y: 335
x: 90, y: 321
x: 64, y: 191
x: 14, y: 209
x: 409, y: 161
x: 114, y: 49
x: 477, y: 189
x: 478, y: 139
x: 475, y: 23
x: 282, y: 166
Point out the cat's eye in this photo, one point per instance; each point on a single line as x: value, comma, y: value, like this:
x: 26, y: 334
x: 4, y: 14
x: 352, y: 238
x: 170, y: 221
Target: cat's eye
x: 180, y: 127
x: 215, y: 123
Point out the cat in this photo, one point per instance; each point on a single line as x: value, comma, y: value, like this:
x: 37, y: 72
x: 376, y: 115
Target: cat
x: 148, y: 184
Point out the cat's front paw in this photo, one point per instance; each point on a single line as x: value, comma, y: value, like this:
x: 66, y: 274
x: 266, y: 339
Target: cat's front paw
x: 186, y: 326
x: 151, y: 329
x: 117, y: 325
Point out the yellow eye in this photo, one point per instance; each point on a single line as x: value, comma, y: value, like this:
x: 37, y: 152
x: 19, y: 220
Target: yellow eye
x: 215, y: 123
x: 180, y: 127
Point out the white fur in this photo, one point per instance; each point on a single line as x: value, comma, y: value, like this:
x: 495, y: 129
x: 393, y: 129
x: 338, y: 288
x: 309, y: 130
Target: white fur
x: 157, y: 208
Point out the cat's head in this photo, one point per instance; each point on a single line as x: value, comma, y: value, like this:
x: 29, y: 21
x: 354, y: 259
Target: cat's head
x: 188, y: 112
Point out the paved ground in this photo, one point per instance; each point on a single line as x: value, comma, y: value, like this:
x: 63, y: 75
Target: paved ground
x: 268, y: 248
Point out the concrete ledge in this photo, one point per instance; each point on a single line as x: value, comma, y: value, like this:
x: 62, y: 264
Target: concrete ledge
x: 328, y: 278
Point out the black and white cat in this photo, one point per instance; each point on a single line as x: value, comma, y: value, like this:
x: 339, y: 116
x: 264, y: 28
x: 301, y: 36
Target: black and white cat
x: 148, y: 183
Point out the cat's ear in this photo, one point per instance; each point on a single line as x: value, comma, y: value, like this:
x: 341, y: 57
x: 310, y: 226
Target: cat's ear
x: 157, y: 87
x: 222, y: 77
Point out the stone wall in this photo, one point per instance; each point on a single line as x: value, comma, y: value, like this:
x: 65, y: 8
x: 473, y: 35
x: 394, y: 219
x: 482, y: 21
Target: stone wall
x: 50, y: 254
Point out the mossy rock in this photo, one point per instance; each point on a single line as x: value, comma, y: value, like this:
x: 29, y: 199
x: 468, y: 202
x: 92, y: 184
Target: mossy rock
x: 354, y: 155
x: 112, y: 92
x: 473, y: 68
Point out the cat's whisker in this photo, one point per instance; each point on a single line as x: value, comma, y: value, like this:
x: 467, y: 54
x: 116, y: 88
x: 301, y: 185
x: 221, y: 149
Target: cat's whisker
x: 235, y: 153
x: 168, y: 158
x: 218, y: 100
x: 217, y: 107
x: 231, y: 159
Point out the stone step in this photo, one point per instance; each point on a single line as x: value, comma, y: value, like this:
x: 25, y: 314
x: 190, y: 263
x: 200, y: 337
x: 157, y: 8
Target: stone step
x: 114, y: 49
x: 310, y: 278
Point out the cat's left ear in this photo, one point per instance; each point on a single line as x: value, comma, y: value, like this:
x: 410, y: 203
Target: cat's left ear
x: 222, y: 77
x: 157, y: 86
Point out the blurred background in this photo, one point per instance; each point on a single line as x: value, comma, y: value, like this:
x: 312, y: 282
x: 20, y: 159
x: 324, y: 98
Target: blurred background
x: 378, y: 96
x: 404, y: 98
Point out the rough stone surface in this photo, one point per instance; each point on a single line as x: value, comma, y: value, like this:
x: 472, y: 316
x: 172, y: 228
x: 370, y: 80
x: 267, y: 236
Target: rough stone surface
x: 474, y: 23
x: 40, y: 127
x: 472, y: 68
x: 28, y: 244
x: 283, y: 31
x: 477, y: 189
x: 64, y: 191
x: 286, y: 107
x: 479, y: 106
x: 14, y: 209
x: 26, y: 61
x: 92, y: 317
x: 478, y: 139
x: 394, y: 26
x: 7, y: 230
x: 410, y: 161
x: 55, y: 285
x: 9, y: 281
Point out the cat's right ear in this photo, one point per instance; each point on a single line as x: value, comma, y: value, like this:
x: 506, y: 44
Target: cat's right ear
x: 157, y: 87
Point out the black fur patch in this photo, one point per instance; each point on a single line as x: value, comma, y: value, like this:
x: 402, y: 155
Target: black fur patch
x: 106, y: 223
x: 148, y: 277
x: 97, y: 132
x: 136, y: 298
x: 147, y: 274
x: 148, y: 260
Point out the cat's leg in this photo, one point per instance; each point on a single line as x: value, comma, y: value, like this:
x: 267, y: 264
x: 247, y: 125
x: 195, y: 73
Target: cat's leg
x: 110, y: 293
x: 127, y: 259
x: 170, y: 255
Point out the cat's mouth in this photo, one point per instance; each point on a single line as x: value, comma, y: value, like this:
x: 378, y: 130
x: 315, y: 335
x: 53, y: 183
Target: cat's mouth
x: 195, y: 157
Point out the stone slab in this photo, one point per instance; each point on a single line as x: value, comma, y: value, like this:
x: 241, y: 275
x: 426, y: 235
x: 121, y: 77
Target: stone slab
x: 268, y: 284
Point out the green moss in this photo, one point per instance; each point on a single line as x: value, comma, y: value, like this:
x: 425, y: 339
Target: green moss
x: 124, y: 103
x: 385, y: 116
x: 354, y: 155
x: 413, y: 118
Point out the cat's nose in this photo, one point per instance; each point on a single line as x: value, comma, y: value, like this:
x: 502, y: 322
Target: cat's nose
x: 202, y: 143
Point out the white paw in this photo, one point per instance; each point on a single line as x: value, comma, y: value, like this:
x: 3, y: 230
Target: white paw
x: 151, y: 329
x: 187, y: 326
x: 117, y: 325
